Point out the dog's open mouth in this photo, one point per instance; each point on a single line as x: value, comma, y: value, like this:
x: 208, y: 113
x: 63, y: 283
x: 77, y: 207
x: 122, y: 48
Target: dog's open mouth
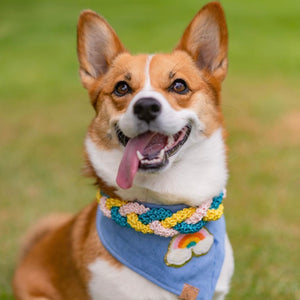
x: 148, y: 151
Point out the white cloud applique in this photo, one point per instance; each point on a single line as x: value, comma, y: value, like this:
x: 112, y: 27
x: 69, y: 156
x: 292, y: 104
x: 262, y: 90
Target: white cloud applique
x: 184, y: 246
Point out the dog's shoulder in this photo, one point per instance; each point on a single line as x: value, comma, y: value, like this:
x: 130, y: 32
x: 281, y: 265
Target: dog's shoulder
x: 85, y: 240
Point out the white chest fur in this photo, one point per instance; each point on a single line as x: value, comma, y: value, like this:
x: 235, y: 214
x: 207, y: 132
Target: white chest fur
x: 111, y: 283
x: 199, y: 173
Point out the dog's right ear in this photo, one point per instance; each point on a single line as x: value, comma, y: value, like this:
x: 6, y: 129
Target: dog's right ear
x: 97, y: 46
x: 206, y: 40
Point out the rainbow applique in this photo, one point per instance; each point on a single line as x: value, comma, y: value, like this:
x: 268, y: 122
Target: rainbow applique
x: 184, y: 246
x: 185, y: 226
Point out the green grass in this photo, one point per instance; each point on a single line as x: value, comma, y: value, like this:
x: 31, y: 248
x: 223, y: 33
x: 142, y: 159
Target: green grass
x: 45, y: 112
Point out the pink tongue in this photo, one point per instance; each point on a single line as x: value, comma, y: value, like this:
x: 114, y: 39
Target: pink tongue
x: 130, y: 162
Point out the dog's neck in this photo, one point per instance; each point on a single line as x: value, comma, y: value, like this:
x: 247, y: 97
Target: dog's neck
x: 162, y: 220
x: 199, y: 175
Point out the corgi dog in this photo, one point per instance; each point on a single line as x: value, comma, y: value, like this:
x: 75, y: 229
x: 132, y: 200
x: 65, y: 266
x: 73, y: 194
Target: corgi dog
x: 156, y: 147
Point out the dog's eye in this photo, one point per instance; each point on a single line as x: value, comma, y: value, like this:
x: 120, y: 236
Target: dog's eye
x: 121, y: 89
x: 179, y: 86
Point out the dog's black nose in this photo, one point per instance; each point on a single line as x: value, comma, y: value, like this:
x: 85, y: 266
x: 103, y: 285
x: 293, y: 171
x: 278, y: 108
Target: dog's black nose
x: 147, y: 109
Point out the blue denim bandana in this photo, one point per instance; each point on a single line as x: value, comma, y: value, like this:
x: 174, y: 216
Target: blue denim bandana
x: 156, y: 258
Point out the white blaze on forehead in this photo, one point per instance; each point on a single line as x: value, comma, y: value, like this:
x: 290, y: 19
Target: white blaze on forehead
x: 147, y: 86
x: 169, y: 120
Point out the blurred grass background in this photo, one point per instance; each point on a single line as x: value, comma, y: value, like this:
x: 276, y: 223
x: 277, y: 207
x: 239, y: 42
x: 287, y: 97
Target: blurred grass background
x: 44, y: 113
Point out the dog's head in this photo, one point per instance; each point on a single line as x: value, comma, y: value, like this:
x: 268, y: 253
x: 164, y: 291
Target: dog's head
x: 157, y: 133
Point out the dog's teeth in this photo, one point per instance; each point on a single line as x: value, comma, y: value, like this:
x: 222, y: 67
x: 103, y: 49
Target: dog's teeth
x: 161, y: 154
x: 154, y: 160
x: 139, y: 155
x: 146, y: 161
x: 171, y: 141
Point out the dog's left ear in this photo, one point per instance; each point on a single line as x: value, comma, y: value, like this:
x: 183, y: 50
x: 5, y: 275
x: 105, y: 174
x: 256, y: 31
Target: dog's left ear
x: 206, y: 40
x: 97, y: 46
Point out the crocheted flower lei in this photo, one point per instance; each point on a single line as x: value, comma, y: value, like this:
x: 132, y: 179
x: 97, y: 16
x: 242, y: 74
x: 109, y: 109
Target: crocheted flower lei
x: 161, y: 221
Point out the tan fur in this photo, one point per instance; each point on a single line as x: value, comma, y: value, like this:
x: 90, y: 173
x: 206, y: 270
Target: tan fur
x: 108, y: 106
x: 209, y: 23
x: 40, y: 229
x: 55, y: 266
x: 205, y: 96
x: 57, y: 251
